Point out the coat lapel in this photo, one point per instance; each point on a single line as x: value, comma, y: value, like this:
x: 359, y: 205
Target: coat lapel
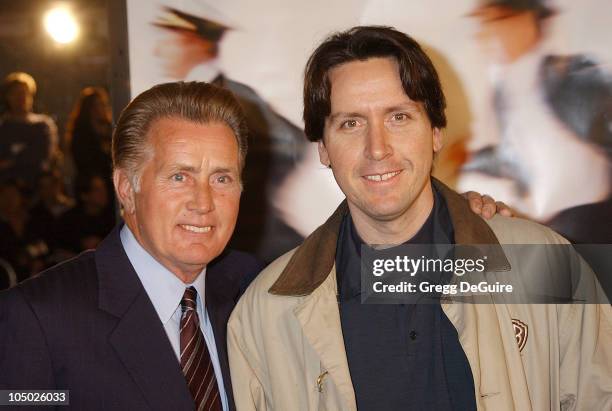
x: 312, y: 261
x: 139, y: 337
x: 319, y: 318
x: 490, y: 349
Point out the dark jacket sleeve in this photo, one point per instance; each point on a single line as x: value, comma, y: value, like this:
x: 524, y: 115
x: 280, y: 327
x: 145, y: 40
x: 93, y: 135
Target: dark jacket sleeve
x: 25, y: 362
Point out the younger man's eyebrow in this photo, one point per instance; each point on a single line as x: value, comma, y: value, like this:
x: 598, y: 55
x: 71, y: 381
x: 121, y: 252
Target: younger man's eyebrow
x: 335, y: 116
x: 410, y: 107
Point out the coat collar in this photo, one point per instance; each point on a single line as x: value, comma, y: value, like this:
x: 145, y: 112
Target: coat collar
x: 312, y: 262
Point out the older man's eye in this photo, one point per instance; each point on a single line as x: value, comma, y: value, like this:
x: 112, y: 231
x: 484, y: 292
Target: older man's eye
x: 224, y: 179
x: 400, y: 117
x: 178, y: 177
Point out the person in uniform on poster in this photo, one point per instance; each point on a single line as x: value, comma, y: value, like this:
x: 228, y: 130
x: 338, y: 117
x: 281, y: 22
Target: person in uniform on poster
x: 554, y: 119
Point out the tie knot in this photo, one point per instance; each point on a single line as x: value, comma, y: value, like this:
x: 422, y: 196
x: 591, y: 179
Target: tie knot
x: 189, y: 299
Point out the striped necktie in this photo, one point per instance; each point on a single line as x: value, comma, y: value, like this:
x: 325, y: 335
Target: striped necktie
x: 195, y: 358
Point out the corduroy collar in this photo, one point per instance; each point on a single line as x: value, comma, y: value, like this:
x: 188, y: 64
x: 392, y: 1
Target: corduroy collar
x: 312, y: 262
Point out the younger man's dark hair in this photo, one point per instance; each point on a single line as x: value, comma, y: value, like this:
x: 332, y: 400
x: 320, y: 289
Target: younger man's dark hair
x: 419, y: 77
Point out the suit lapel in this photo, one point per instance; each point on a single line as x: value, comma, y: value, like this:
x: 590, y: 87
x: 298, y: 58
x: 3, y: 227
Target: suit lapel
x: 222, y: 293
x: 319, y: 318
x: 139, y: 338
x: 141, y: 343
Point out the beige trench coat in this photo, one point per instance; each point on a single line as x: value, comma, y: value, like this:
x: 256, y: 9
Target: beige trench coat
x: 286, y: 348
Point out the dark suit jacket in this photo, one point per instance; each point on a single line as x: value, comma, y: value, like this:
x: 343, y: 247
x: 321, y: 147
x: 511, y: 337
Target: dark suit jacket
x: 88, y: 326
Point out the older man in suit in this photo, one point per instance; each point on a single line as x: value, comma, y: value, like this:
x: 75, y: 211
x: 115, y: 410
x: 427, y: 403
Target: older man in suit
x: 140, y: 323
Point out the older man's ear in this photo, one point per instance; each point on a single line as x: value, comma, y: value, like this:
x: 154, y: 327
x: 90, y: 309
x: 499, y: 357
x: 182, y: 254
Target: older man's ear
x: 124, y: 190
x: 486, y: 206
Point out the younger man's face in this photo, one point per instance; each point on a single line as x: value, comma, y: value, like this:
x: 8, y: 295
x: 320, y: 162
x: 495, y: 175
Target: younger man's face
x: 380, y: 143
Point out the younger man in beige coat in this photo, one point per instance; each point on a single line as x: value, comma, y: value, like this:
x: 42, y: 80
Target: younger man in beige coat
x: 300, y: 339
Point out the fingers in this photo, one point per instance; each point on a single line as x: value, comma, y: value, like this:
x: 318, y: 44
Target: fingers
x: 485, y: 206
x: 503, y: 209
x: 475, y: 201
x: 489, y: 207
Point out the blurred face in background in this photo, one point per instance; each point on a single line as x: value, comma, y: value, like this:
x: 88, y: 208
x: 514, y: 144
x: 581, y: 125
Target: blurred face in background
x: 507, y: 34
x: 19, y: 98
x: 99, y: 110
x: 179, y: 51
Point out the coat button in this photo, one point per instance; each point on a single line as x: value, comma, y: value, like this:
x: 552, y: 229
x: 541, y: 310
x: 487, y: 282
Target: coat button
x: 413, y: 335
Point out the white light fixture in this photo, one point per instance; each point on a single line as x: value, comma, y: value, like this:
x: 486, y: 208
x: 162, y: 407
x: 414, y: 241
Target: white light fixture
x: 61, y: 25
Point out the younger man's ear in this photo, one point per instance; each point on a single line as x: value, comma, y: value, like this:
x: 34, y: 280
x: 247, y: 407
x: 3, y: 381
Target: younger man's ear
x: 124, y: 190
x: 323, y: 155
x: 437, y: 140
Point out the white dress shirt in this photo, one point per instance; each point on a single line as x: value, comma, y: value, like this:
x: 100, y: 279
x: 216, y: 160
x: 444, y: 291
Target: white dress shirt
x: 165, y: 290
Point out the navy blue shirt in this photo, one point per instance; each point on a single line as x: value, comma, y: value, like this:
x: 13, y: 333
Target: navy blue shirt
x: 401, y: 356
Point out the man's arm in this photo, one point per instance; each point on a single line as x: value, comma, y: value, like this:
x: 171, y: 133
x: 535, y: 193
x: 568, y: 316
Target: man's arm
x: 25, y: 362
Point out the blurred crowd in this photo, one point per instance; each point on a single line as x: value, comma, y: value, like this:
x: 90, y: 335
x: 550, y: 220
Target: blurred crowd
x: 56, y: 196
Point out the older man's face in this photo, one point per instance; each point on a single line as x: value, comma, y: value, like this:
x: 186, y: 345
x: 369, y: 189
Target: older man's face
x: 186, y: 208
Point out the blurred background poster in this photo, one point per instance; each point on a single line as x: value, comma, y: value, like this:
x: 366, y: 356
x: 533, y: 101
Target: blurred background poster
x: 528, y: 83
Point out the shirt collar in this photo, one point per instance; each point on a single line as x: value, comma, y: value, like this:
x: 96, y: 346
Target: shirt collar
x: 165, y: 290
